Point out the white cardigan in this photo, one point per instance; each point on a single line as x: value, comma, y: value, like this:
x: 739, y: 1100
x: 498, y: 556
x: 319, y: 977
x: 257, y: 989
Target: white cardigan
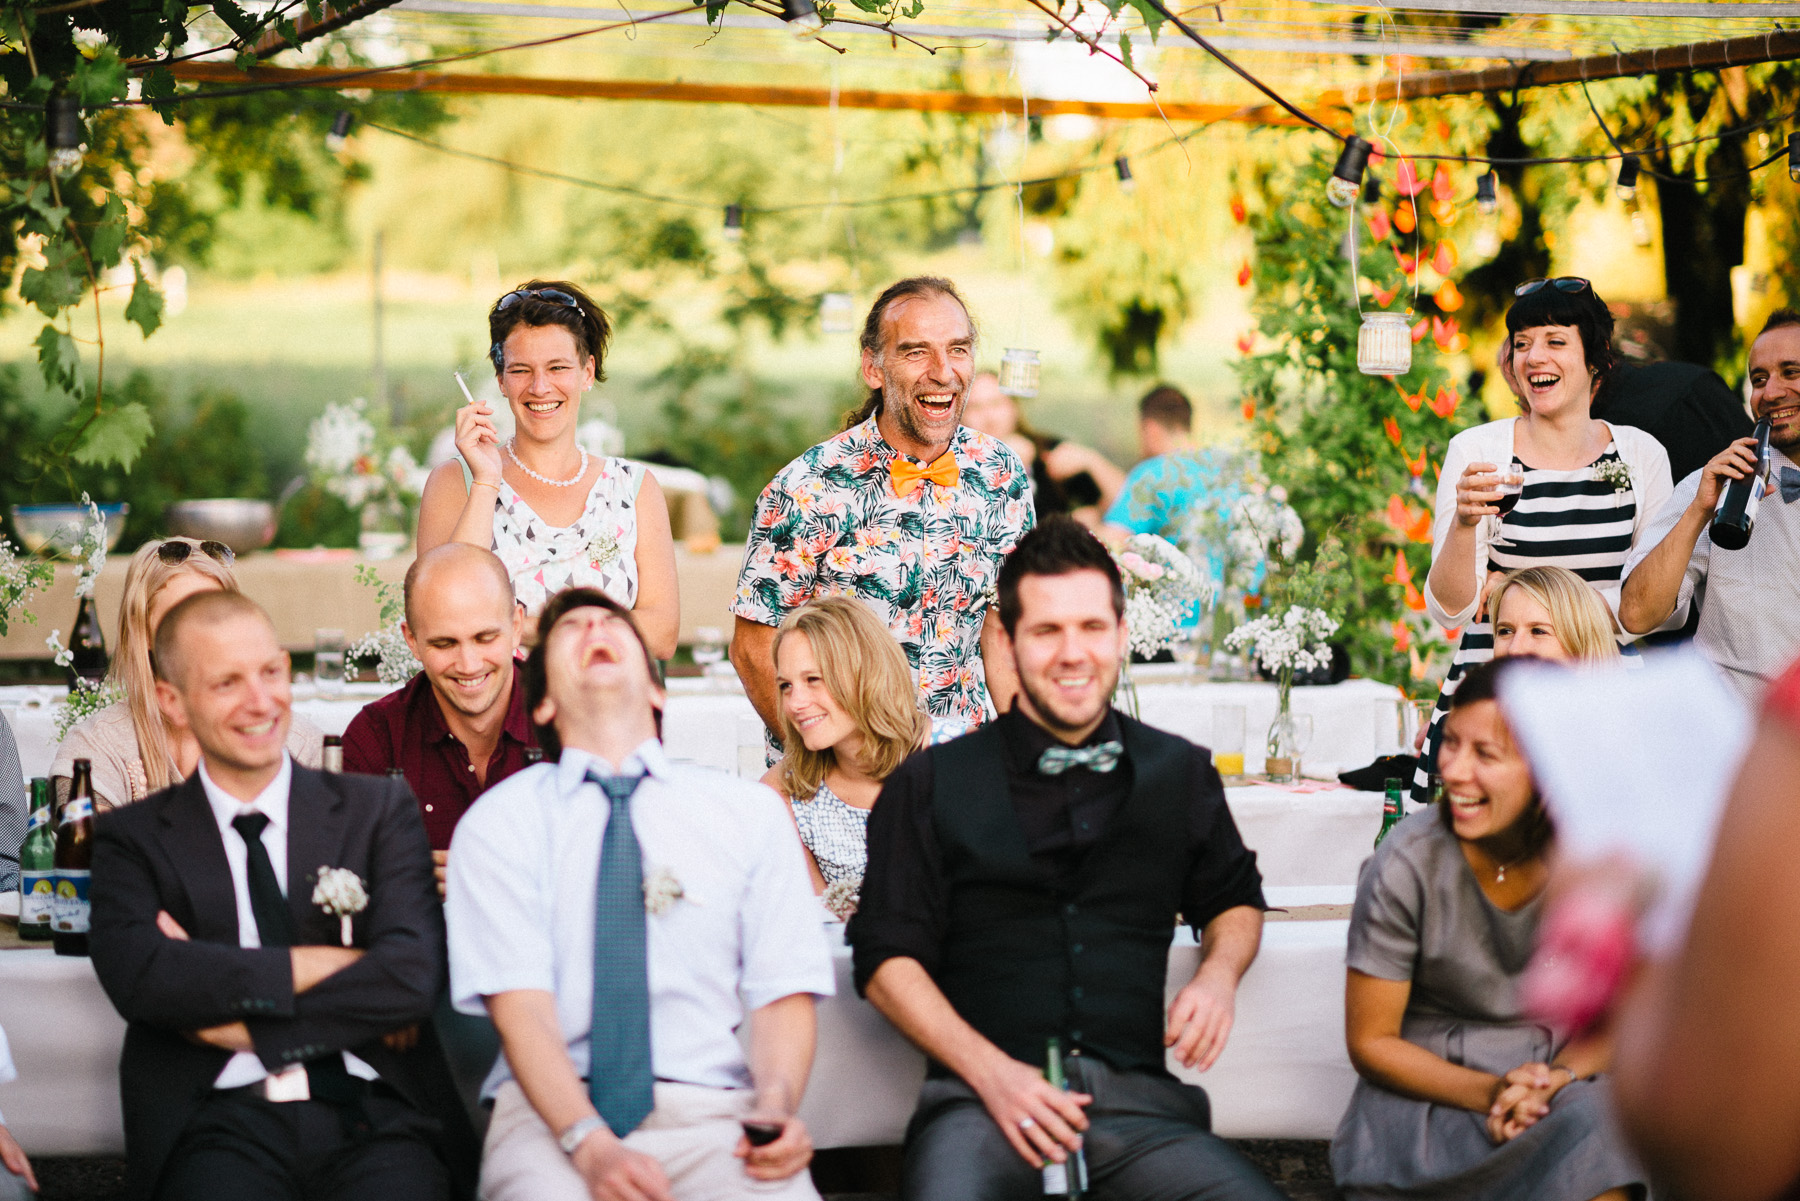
x: 1493, y: 443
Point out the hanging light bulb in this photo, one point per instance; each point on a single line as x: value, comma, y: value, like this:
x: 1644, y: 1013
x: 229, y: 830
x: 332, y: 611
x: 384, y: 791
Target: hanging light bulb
x: 734, y: 222
x: 1346, y: 178
x: 1640, y: 227
x: 63, y: 135
x: 1487, y: 192
x: 339, y: 136
x: 1794, y: 157
x: 803, y: 15
x: 1122, y: 167
x: 1384, y: 345
x: 1019, y: 372
x: 1628, y: 177
x: 837, y: 313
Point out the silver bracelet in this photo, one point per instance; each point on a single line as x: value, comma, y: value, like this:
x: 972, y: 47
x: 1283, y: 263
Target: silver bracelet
x: 577, y: 1132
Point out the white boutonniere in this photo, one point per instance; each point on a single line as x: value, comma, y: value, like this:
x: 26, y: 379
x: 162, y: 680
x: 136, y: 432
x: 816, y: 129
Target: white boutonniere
x: 842, y: 898
x: 661, y: 890
x: 1614, y: 472
x: 340, y: 893
x: 602, y: 550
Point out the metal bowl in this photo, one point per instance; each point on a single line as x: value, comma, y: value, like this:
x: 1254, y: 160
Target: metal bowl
x: 243, y: 525
x: 54, y: 529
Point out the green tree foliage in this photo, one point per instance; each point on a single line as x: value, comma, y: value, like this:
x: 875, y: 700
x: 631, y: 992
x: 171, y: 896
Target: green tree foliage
x: 1353, y: 451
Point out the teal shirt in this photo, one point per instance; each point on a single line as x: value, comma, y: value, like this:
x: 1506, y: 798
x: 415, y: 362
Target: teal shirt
x: 1161, y: 494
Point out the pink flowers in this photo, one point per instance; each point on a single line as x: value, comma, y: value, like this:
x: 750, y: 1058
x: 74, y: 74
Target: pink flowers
x: 1141, y: 567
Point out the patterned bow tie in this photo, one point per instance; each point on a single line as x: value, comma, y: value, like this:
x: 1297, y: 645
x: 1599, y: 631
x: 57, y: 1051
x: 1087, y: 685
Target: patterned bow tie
x: 1102, y: 757
x: 906, y: 474
x: 1789, y: 480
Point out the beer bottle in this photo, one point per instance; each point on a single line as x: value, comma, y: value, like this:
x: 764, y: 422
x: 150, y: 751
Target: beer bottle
x: 37, y: 867
x: 1068, y: 1178
x: 74, y: 861
x: 331, y: 758
x: 1391, y: 810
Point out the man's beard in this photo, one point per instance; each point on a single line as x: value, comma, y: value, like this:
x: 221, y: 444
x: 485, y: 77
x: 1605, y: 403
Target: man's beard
x: 1054, y: 720
x: 905, y: 412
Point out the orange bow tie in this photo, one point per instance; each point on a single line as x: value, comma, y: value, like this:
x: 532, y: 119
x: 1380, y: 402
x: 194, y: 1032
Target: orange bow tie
x: 906, y: 474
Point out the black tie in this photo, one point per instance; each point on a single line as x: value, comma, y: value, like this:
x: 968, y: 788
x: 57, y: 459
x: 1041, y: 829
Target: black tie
x: 326, y: 1077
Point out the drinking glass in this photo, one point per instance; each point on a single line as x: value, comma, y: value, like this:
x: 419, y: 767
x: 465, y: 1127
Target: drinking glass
x: 1228, y: 739
x: 328, y: 661
x: 1303, y: 736
x: 1511, y: 486
x: 761, y: 1133
x: 709, y: 648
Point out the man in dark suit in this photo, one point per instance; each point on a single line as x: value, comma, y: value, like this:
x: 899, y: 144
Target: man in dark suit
x: 276, y: 1047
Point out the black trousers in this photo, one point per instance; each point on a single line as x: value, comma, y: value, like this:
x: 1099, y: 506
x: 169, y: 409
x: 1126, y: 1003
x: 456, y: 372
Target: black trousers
x: 240, y: 1147
x: 1149, y: 1138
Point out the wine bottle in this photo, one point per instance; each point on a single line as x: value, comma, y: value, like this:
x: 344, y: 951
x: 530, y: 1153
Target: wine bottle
x: 331, y: 755
x: 1736, y: 514
x: 74, y: 864
x: 87, y: 643
x: 1068, y: 1178
x: 1391, y: 810
x: 37, y: 867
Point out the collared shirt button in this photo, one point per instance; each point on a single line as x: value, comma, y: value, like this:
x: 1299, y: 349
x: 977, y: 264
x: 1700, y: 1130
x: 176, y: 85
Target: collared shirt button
x: 1070, y: 909
x: 1076, y: 992
x: 1076, y: 949
x: 428, y: 808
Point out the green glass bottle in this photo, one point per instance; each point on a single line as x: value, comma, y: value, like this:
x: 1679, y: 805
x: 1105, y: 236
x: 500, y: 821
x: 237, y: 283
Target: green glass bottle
x: 37, y: 867
x: 1392, y: 810
x: 1068, y: 1178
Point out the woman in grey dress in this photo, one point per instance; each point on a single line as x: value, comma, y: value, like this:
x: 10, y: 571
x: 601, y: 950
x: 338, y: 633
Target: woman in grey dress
x: 1461, y: 1095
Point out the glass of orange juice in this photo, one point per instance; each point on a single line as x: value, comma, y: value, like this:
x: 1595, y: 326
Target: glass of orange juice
x: 1228, y: 739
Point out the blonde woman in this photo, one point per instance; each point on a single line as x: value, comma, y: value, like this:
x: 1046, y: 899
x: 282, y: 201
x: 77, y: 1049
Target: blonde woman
x: 133, y: 751
x: 1552, y: 613
x: 849, y: 715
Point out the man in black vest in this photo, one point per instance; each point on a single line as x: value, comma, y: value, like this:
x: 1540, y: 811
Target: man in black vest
x: 1022, y: 886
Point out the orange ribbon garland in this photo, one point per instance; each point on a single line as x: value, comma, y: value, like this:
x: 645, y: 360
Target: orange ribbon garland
x: 904, y: 474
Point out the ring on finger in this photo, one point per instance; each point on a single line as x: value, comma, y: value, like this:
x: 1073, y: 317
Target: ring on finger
x: 1027, y: 1123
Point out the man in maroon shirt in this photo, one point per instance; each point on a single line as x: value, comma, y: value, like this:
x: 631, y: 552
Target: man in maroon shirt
x: 460, y: 726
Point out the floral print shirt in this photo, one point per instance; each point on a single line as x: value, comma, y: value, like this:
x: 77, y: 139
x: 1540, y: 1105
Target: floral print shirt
x: 927, y: 563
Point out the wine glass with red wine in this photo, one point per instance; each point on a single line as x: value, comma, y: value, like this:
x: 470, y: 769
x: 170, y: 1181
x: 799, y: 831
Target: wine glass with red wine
x: 1510, y: 485
x: 761, y: 1132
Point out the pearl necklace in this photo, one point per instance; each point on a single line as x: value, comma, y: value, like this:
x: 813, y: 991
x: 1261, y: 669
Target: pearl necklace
x: 544, y: 479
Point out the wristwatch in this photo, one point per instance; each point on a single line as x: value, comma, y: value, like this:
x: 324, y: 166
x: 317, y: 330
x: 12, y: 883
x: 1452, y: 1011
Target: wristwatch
x: 576, y: 1133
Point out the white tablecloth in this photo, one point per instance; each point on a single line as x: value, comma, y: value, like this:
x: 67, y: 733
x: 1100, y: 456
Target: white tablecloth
x: 1284, y: 1073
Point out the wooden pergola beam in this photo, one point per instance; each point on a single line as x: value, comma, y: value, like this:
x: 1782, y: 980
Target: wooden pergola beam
x: 336, y: 17
x: 1774, y: 46
x: 719, y: 93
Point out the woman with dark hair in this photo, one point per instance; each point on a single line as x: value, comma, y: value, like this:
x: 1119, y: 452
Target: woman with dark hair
x: 1551, y: 487
x: 557, y: 517
x: 1065, y: 477
x: 1461, y: 1096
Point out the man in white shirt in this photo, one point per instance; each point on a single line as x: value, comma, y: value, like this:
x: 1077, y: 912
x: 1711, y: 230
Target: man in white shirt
x: 276, y: 1044
x: 619, y: 957
x: 1750, y: 598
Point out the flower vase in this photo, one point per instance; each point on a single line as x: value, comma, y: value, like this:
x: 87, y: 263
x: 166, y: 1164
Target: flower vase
x: 1125, y: 697
x: 1282, y: 764
x: 384, y: 530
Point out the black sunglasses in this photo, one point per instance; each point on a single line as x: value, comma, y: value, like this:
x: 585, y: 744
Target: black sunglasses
x: 1562, y: 283
x: 173, y: 552
x: 520, y: 295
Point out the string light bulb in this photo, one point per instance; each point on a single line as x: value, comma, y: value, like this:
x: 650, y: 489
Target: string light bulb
x: 734, y: 222
x: 1347, y: 177
x: 1122, y: 167
x: 1487, y: 193
x: 1794, y: 157
x: 1628, y: 177
x: 63, y: 135
x: 339, y: 137
x: 803, y: 15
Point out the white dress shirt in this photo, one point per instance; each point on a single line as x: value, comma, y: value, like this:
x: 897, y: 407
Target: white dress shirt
x: 8, y: 1073
x: 272, y: 802
x: 745, y: 932
x: 1749, y: 615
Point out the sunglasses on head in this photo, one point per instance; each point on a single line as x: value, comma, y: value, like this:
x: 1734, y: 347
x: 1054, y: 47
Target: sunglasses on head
x: 520, y: 295
x: 1562, y: 283
x: 173, y: 552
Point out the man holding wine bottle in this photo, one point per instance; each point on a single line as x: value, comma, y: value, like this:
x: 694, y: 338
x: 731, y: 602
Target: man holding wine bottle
x: 1699, y: 547
x: 1015, y: 921
x: 620, y: 917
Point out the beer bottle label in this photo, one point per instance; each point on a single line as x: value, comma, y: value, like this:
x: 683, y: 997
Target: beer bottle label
x: 1056, y: 1179
x: 37, y: 891
x: 39, y: 819
x: 77, y: 808
x: 69, y: 915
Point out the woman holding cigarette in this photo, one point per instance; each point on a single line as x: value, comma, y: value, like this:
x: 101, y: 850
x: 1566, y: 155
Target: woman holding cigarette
x: 557, y: 516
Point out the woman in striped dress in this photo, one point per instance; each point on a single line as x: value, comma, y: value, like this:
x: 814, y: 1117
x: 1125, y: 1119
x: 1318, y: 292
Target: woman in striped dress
x: 1585, y: 489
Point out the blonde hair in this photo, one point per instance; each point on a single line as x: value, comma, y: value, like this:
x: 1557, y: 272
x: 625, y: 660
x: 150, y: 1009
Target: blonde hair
x: 866, y: 672
x: 131, y: 668
x: 1584, y: 625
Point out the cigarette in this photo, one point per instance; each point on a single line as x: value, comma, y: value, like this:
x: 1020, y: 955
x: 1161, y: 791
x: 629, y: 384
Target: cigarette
x: 465, y: 387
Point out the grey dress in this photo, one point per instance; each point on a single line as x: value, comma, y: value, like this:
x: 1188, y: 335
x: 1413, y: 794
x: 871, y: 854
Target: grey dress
x: 1421, y: 916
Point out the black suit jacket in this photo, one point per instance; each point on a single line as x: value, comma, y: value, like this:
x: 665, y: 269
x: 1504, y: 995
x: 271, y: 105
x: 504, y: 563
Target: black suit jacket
x: 166, y: 853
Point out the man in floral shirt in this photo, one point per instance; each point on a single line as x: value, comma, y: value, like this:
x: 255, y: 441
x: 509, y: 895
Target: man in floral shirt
x: 907, y: 509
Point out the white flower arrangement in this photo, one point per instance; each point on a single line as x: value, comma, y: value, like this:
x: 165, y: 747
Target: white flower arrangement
x: 342, y: 449
x: 341, y: 894
x: 842, y: 897
x: 1615, y: 472
x: 1161, y: 585
x: 394, y: 661
x: 20, y: 576
x: 1263, y: 527
x: 85, y: 699
x: 89, y: 550
x: 661, y: 891
x: 1295, y: 643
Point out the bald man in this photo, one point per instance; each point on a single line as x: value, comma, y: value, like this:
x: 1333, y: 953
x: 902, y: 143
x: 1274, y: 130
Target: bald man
x: 460, y: 726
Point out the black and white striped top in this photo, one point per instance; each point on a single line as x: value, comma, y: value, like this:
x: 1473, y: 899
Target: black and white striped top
x: 1578, y: 519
